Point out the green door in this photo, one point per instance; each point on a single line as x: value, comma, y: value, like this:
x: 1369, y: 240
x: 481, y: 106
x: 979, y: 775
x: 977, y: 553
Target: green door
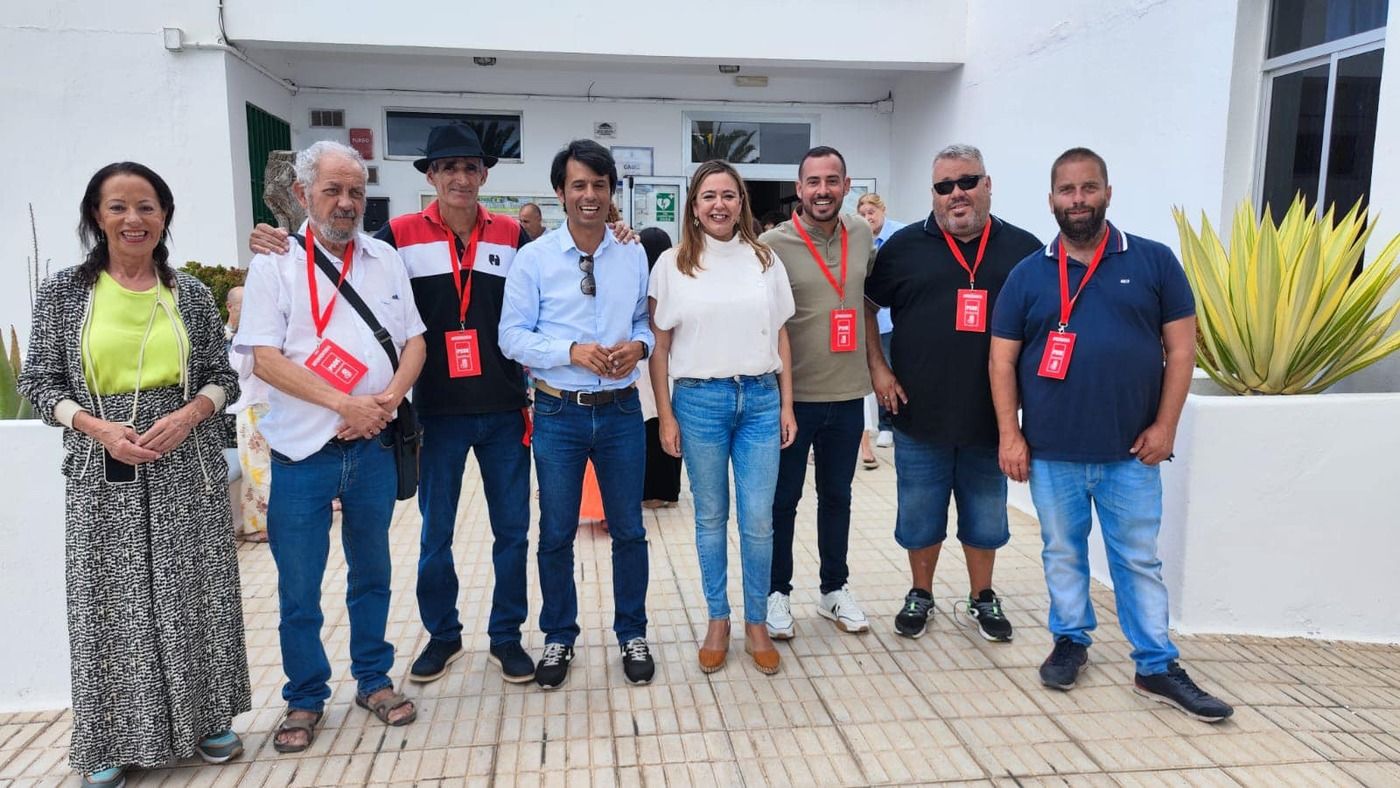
x: 266, y: 133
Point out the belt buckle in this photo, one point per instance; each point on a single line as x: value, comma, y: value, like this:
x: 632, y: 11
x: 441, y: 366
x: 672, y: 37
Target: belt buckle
x: 578, y: 399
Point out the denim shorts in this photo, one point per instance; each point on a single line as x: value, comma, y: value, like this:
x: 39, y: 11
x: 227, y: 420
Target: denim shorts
x: 929, y: 474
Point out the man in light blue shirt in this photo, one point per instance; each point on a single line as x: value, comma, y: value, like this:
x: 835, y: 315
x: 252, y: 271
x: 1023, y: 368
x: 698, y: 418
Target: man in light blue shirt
x: 575, y: 313
x: 871, y: 208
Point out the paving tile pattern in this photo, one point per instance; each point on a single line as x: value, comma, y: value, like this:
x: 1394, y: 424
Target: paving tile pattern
x: 877, y: 709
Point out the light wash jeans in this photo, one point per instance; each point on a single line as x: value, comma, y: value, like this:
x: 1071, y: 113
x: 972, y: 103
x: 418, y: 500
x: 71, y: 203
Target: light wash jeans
x: 1128, y: 498
x: 724, y: 419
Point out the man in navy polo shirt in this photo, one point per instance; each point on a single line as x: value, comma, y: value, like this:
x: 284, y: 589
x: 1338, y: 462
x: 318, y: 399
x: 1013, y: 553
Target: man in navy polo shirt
x: 942, y: 277
x: 1078, y: 339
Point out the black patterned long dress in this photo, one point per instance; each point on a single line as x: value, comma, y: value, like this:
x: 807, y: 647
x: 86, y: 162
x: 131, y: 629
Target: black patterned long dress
x: 155, y: 619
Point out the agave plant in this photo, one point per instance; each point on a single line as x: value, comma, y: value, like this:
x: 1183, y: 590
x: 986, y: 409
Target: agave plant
x: 1281, y: 310
x: 12, y: 405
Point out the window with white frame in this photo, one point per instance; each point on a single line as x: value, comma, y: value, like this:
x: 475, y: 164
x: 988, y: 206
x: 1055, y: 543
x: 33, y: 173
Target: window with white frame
x: 759, y: 146
x: 406, y: 131
x: 1322, y: 76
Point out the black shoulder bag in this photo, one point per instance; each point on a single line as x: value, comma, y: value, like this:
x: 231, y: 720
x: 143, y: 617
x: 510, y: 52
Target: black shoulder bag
x: 408, y: 437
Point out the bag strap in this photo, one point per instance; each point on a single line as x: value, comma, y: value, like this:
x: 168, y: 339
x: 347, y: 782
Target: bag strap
x: 353, y: 298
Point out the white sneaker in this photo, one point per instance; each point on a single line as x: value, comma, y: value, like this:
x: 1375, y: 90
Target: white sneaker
x: 780, y: 626
x: 885, y: 439
x: 840, y: 606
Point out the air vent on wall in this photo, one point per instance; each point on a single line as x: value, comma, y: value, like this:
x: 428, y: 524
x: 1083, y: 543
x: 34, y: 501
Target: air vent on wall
x: 373, y: 179
x: 328, y: 118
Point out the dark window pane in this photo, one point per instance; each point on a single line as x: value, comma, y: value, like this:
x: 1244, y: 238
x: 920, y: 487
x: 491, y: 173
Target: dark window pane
x: 1353, y: 140
x: 1293, y: 161
x: 407, y: 132
x: 747, y: 142
x: 1299, y: 24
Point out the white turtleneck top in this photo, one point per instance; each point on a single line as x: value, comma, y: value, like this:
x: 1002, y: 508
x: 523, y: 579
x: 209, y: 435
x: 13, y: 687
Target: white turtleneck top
x: 724, y: 321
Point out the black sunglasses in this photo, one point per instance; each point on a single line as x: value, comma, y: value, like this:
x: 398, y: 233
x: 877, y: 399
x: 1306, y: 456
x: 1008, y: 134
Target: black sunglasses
x: 585, y: 264
x: 967, y: 183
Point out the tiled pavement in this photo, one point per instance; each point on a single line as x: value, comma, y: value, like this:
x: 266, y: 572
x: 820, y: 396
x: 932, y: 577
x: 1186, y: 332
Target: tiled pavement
x: 845, y: 710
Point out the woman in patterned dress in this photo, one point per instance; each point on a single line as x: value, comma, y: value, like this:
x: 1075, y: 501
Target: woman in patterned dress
x: 128, y: 356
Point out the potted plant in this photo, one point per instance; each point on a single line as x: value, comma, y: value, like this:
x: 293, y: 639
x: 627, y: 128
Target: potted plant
x: 1279, y: 511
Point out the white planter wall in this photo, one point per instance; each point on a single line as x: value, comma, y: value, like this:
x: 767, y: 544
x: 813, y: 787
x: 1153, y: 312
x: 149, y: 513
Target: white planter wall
x: 1282, y: 516
x: 34, y: 652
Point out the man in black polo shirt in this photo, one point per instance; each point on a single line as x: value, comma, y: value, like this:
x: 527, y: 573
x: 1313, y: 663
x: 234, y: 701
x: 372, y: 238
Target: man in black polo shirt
x: 940, y: 278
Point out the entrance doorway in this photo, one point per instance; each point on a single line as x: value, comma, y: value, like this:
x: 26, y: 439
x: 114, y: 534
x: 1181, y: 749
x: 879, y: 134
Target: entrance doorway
x: 771, y: 199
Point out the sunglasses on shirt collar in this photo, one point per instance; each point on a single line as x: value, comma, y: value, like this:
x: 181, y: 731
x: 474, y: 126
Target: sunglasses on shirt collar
x: 587, y: 285
x: 967, y: 183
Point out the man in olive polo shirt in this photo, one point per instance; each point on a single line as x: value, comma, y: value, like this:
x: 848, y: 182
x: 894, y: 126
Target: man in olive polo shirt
x: 826, y: 255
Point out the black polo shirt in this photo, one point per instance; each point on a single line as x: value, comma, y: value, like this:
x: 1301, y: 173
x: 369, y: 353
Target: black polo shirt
x: 943, y: 371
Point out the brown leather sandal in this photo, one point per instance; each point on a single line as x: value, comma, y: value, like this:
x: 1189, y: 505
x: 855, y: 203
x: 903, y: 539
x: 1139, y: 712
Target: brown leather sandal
x: 767, y: 662
x: 712, y: 659
x: 381, y: 709
x: 289, y: 725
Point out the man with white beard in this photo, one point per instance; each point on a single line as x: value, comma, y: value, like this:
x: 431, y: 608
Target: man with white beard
x: 334, y: 393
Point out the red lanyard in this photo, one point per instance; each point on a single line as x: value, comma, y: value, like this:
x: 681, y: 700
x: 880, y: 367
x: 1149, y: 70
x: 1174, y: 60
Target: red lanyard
x: 840, y: 287
x: 464, y: 296
x: 323, y: 319
x: 1067, y: 303
x: 981, y: 250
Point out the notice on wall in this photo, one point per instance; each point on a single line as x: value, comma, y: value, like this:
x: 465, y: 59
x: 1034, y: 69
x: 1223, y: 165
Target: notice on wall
x: 632, y: 161
x: 604, y: 130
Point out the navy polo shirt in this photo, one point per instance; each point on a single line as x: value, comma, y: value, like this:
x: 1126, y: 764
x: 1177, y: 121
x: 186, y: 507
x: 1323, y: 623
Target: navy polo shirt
x: 1114, y: 384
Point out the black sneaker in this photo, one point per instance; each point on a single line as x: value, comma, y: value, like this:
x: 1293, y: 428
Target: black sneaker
x: 516, y: 666
x: 985, y: 609
x: 637, y: 663
x: 1061, y: 669
x: 433, y: 662
x: 918, y: 606
x: 553, y: 669
x: 1175, y: 688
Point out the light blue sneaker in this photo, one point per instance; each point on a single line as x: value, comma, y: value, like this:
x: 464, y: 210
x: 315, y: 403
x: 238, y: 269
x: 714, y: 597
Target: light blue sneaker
x: 114, y: 777
x: 220, y: 747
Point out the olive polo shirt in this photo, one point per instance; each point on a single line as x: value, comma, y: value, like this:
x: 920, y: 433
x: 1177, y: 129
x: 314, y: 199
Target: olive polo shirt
x: 818, y: 374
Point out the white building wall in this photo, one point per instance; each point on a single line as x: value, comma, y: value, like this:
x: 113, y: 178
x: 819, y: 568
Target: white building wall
x: 86, y: 84
x: 246, y: 86
x: 1146, y: 84
x: 916, y: 32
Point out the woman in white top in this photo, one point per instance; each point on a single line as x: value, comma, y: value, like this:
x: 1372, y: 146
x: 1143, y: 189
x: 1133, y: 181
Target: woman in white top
x: 718, y: 304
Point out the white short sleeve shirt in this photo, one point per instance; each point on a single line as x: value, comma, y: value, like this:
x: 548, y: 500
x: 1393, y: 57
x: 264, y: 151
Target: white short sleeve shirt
x: 277, y: 313
x: 724, y: 320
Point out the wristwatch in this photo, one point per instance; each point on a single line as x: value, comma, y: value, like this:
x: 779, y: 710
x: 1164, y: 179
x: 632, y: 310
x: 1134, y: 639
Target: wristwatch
x: 646, y: 351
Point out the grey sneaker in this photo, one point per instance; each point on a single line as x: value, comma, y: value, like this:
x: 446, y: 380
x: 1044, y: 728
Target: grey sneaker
x: 780, y: 625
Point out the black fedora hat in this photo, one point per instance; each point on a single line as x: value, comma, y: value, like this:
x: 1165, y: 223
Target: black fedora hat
x: 453, y: 141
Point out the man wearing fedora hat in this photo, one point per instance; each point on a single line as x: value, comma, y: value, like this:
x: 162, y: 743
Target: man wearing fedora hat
x: 469, y: 397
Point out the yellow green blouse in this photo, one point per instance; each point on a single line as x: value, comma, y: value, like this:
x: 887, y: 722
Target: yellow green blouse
x: 112, y: 338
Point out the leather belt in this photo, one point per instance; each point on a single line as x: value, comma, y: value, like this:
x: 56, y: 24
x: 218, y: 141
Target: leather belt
x: 589, y: 398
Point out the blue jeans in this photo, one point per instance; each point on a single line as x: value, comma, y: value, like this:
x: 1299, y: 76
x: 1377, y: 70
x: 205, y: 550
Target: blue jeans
x: 927, y: 474
x: 832, y: 431
x: 720, y: 419
x: 567, y: 435
x: 1128, y: 498
x: 361, y: 474
x: 504, y: 460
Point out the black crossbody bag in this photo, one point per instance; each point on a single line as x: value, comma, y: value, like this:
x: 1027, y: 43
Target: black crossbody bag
x: 408, y: 437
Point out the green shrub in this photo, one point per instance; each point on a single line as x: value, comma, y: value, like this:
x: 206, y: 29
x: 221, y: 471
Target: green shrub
x: 218, y: 279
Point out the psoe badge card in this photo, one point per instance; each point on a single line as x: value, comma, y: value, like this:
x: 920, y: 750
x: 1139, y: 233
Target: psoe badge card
x: 336, y: 366
x: 463, y: 359
x: 843, y: 330
x: 972, y: 311
x: 1059, y: 346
